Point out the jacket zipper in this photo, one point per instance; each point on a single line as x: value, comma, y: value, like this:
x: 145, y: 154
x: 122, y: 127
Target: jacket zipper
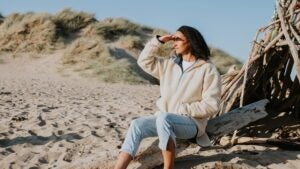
x: 182, y: 72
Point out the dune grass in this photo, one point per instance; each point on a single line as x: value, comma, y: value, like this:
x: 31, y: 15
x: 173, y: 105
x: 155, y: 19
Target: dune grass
x: 131, y: 42
x: 92, y: 58
x: 27, y: 32
x: 119, y: 71
x: 106, y: 49
x: 223, y: 60
x: 84, y: 50
x: 68, y: 21
x: 111, y: 29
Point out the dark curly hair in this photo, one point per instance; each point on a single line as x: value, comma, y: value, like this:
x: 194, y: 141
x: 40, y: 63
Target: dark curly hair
x: 196, y: 42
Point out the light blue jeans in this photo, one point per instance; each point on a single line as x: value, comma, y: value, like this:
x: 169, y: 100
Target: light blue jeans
x: 165, y: 126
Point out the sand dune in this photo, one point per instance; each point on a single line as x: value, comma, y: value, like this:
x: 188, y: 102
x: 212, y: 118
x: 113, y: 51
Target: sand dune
x: 52, y: 119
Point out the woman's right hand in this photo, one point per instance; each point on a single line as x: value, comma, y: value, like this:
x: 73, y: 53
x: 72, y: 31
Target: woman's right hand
x: 167, y: 38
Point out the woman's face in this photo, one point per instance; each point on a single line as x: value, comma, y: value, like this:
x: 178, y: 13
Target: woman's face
x: 180, y: 44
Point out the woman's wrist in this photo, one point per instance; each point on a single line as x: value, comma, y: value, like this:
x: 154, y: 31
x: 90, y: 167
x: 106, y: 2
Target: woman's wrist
x: 158, y: 38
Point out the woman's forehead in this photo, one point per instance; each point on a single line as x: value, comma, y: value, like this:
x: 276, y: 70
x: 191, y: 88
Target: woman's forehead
x: 179, y: 34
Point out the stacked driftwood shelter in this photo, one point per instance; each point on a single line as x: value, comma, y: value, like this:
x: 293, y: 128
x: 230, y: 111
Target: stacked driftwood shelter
x: 272, y: 70
x: 268, y: 83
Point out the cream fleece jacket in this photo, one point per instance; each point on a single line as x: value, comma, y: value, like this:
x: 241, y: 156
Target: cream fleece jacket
x: 194, y: 92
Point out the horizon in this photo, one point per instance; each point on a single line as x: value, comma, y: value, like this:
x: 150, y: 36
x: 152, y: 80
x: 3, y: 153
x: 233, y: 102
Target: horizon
x: 229, y: 26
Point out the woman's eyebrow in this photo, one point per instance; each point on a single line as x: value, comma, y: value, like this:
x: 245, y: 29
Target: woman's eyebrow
x: 177, y: 38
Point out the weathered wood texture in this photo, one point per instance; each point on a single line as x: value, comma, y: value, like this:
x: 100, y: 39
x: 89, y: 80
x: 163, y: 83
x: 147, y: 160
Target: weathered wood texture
x: 236, y: 119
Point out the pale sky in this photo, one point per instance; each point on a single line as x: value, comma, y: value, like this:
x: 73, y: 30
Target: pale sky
x: 229, y: 25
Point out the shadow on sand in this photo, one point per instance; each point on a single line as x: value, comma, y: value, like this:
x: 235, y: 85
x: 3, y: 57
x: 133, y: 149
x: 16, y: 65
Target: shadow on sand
x: 236, y: 157
x: 38, y: 140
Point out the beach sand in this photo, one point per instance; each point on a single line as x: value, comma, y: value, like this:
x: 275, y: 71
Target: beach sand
x: 56, y: 119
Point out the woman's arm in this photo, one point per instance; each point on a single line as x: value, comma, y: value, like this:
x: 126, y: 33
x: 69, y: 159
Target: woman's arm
x: 147, y: 59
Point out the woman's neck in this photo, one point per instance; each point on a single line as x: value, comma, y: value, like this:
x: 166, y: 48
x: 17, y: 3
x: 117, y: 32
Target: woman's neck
x: 189, y: 57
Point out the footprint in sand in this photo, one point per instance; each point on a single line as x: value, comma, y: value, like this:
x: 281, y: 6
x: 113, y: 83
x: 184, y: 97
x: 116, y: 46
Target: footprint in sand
x: 7, y: 152
x: 55, y: 125
x: 32, y: 133
x: 21, y: 117
x: 111, y: 125
x: 5, y: 93
x: 42, y: 121
x: 43, y: 160
x: 94, y: 133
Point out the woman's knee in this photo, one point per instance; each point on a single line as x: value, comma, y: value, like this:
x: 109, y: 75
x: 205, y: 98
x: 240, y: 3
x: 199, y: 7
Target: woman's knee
x: 163, y: 119
x: 137, y: 124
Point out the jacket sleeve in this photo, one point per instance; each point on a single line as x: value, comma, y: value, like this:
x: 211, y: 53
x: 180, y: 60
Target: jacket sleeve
x: 148, y: 61
x: 211, y: 95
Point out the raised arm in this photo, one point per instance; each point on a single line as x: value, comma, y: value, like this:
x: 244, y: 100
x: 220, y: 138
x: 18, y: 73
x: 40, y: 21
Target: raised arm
x: 148, y: 61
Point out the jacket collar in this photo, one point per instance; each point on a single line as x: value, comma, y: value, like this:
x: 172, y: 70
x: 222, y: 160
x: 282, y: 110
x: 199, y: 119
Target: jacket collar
x: 199, y: 62
x: 178, y: 60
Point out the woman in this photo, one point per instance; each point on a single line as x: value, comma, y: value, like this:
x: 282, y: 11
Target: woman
x: 190, y: 90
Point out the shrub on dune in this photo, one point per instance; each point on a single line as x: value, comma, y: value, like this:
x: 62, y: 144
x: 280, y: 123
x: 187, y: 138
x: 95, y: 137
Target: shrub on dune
x: 85, y: 50
x: 119, y: 71
x: 68, y: 21
x: 27, y: 33
x: 223, y: 60
x: 91, y: 57
x: 113, y: 28
x: 131, y: 42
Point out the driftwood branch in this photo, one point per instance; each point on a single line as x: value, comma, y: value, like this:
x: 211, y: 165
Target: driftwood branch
x: 236, y: 119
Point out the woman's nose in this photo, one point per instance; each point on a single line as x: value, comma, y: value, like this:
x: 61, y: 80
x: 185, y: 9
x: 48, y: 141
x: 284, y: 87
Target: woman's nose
x: 174, y: 44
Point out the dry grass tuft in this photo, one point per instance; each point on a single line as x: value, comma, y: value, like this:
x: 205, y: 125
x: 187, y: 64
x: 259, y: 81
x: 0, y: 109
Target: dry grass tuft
x: 223, y: 61
x: 68, y: 21
x: 111, y: 29
x: 89, y: 31
x: 91, y: 57
x: 131, y: 42
x: 84, y: 50
x: 27, y: 32
x: 119, y: 71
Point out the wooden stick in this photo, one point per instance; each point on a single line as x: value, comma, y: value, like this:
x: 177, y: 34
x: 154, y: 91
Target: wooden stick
x: 291, y: 9
x: 290, y: 43
x: 271, y: 44
x: 295, y: 34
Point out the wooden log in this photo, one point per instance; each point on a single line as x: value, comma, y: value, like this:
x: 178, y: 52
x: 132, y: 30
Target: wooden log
x: 236, y: 119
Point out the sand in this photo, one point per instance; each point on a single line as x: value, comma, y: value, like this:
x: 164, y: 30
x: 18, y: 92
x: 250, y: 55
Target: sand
x: 58, y: 119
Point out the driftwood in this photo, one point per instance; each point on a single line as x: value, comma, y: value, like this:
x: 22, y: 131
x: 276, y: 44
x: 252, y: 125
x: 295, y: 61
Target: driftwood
x: 272, y: 70
x: 236, y: 119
